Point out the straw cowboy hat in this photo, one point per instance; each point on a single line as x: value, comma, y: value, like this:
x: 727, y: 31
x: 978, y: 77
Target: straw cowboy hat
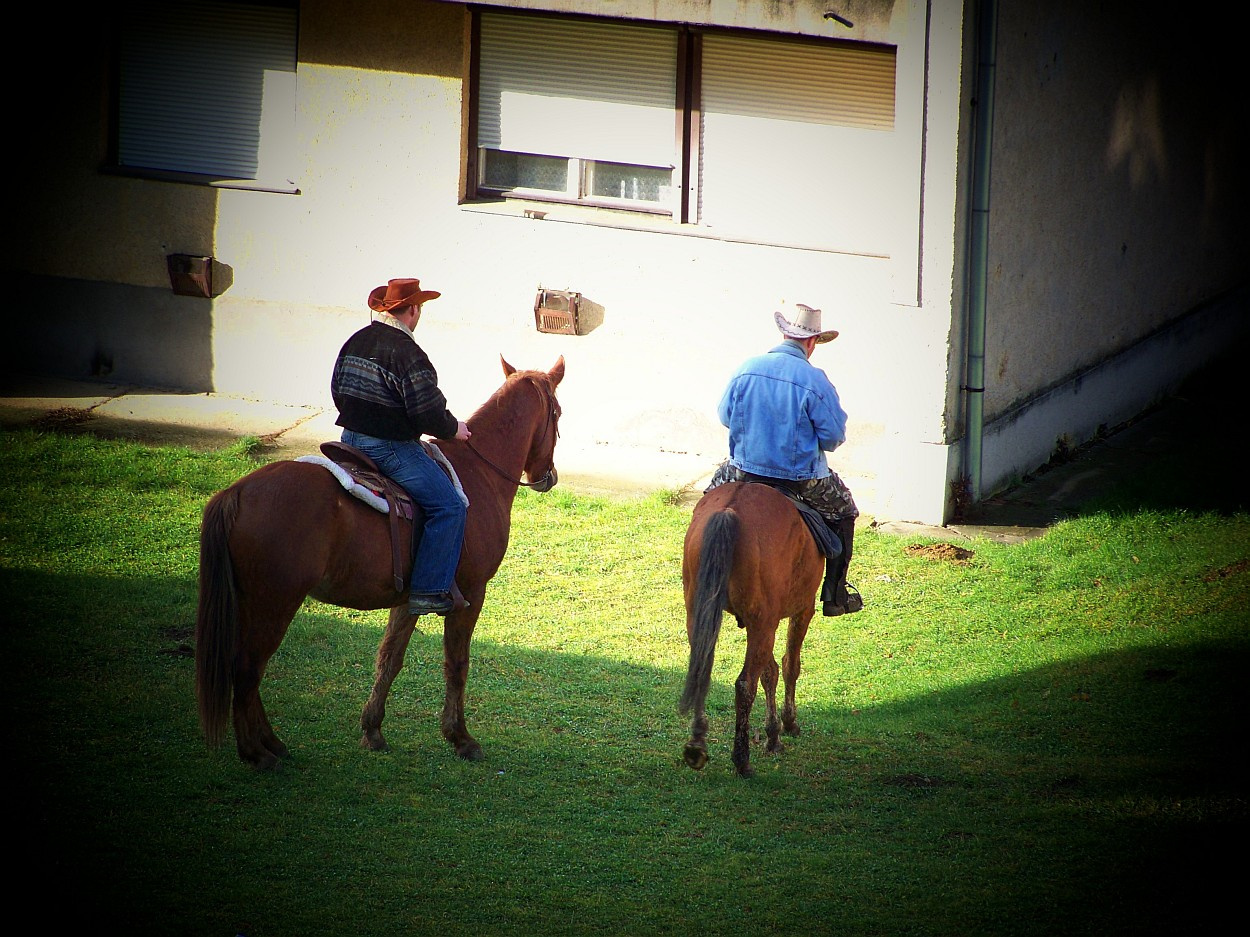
x: 800, y: 321
x: 399, y: 293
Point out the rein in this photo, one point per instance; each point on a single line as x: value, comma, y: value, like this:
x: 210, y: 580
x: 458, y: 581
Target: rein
x: 547, y: 477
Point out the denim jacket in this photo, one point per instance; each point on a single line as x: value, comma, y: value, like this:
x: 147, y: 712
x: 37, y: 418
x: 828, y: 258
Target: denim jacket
x: 783, y: 415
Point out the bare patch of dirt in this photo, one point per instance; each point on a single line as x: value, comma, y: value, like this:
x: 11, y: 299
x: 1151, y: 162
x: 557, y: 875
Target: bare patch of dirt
x: 63, y: 417
x: 944, y: 552
x: 1224, y: 572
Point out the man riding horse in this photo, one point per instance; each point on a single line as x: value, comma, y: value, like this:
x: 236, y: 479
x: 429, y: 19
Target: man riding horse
x: 386, y: 391
x: 783, y: 415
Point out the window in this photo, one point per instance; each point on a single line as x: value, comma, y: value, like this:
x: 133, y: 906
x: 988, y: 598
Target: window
x: 206, y: 92
x: 577, y: 110
x: 751, y: 134
x: 796, y: 140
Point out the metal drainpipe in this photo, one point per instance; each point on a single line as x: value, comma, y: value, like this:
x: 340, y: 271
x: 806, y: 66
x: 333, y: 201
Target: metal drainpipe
x: 978, y: 247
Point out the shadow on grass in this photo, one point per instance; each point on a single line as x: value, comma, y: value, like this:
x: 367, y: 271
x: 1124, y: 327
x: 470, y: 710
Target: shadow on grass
x: 1098, y: 795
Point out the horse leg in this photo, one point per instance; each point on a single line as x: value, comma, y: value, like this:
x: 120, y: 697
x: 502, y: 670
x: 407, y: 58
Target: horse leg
x: 695, y: 753
x: 256, y: 741
x: 391, y: 651
x: 457, y: 635
x: 759, y: 654
x: 790, y: 668
x: 771, y: 725
x: 744, y: 699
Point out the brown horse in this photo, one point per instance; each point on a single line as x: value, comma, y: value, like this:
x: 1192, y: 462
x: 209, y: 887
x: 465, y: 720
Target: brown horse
x: 288, y: 530
x: 747, y: 552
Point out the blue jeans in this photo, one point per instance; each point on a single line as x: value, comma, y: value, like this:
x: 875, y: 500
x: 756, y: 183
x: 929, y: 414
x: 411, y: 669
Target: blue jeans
x: 406, y: 461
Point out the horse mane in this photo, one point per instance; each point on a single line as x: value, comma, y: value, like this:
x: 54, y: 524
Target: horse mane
x: 494, y: 403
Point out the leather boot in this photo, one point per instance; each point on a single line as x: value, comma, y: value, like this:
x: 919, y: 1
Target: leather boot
x: 430, y: 603
x: 838, y: 598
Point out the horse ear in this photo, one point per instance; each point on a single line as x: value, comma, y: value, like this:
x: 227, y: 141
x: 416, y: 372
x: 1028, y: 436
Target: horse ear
x: 508, y: 370
x: 557, y: 372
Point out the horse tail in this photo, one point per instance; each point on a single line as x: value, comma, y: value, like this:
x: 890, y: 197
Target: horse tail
x: 217, y: 618
x: 711, y: 596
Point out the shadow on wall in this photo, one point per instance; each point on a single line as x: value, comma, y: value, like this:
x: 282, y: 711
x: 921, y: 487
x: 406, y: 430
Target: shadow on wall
x: 128, y: 334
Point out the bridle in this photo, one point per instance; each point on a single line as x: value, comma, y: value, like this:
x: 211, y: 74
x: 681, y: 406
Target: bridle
x: 548, y: 481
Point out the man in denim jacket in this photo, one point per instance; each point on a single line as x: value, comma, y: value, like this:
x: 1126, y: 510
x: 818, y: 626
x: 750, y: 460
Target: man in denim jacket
x: 783, y: 415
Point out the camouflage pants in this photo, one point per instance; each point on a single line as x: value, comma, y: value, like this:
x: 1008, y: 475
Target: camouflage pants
x: 828, y: 496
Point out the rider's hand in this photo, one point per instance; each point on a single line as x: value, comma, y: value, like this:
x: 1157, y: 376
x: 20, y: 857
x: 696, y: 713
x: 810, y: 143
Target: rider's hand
x: 462, y: 431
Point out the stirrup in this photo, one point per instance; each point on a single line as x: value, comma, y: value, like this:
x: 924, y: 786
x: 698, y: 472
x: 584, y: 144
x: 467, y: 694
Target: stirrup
x: 439, y: 603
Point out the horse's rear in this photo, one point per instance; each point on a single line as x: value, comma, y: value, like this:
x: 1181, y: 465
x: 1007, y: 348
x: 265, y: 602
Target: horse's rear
x: 270, y: 539
x: 747, y: 552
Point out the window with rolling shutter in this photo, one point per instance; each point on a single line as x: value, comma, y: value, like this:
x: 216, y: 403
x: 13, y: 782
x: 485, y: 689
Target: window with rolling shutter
x: 797, y: 139
x: 771, y: 137
x: 577, y: 109
x: 207, y: 90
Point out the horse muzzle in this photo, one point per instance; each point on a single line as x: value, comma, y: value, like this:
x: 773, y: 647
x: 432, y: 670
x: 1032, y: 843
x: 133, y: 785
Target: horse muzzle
x: 547, y: 482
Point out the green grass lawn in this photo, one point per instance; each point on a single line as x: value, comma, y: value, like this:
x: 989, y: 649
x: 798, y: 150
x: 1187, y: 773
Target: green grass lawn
x: 1041, y: 739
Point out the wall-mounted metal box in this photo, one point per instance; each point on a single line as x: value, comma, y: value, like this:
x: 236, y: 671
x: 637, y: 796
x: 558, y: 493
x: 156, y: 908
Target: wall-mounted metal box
x: 190, y: 275
x: 556, y: 311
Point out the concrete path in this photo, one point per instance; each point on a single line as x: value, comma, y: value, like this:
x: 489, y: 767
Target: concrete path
x: 1190, y: 421
x: 208, y: 421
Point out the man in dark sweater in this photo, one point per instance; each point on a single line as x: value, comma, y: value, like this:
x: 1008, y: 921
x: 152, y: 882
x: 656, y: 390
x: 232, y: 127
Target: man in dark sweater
x: 386, y: 392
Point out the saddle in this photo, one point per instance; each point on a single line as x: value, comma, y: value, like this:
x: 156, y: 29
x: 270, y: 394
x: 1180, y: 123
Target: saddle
x: 400, y: 506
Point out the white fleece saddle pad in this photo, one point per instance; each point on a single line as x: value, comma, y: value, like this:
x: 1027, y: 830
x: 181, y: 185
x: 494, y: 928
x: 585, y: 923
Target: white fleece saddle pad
x: 375, y: 501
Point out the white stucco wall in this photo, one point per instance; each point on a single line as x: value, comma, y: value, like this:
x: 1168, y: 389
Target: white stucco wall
x: 680, y: 310
x: 380, y: 135
x: 1110, y: 219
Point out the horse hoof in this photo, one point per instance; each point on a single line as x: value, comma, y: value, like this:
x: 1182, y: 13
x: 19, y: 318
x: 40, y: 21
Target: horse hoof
x: 374, y: 742
x: 471, y: 752
x: 791, y: 729
x: 259, y: 757
x: 746, y: 771
x: 266, y: 762
x: 274, y: 746
x: 695, y: 756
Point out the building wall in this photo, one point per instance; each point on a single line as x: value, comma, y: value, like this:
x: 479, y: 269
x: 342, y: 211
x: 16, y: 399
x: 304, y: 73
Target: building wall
x: 1117, y: 194
x: 1111, y: 208
x: 380, y: 118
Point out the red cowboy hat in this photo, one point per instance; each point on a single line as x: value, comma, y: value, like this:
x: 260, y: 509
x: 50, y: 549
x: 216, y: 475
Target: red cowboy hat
x: 398, y: 293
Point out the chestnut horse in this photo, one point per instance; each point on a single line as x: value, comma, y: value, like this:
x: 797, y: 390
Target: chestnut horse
x: 289, y: 530
x: 748, y: 552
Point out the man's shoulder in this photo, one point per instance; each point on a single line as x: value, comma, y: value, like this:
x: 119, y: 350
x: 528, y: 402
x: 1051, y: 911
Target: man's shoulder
x: 381, y: 338
x: 773, y: 363
x: 363, y: 335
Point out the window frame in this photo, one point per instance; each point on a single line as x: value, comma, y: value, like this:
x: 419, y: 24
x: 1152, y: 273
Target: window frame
x: 268, y: 176
x: 580, y: 169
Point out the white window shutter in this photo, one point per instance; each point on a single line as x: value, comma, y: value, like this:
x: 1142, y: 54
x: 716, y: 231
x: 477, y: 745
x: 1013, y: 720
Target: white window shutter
x: 578, y: 88
x: 797, y: 140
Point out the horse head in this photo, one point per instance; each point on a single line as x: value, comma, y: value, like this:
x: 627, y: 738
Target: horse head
x: 540, y: 467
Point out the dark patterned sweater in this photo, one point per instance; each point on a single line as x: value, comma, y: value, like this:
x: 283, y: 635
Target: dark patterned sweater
x: 385, y: 386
